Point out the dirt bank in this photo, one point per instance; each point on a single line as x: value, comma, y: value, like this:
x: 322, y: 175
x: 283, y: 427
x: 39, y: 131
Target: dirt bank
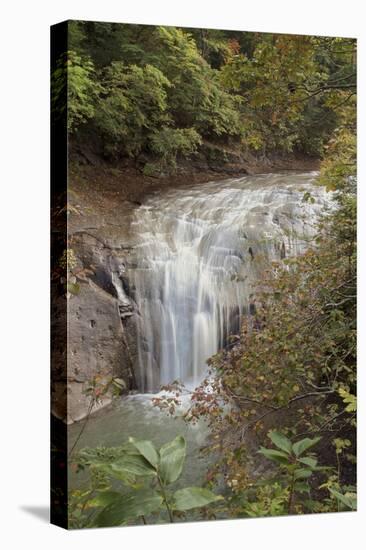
x: 108, y: 181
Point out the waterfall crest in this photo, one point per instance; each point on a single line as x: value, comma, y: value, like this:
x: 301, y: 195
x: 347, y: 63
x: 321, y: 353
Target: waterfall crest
x: 199, y: 253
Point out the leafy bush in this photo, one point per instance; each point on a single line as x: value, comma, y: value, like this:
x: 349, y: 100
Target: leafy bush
x: 152, y: 169
x: 74, y: 89
x: 132, y: 106
x: 170, y: 142
x: 268, y: 93
x: 144, y: 476
x: 297, y: 466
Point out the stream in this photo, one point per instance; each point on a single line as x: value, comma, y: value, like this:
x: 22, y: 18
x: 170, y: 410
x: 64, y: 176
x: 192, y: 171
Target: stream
x: 200, y: 252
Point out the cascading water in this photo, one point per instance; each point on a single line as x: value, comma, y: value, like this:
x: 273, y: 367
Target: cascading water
x: 199, y: 252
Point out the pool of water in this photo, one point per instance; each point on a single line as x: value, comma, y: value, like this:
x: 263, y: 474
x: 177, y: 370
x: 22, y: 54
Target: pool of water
x: 135, y: 416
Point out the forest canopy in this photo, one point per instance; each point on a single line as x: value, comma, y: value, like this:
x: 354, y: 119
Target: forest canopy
x: 165, y: 91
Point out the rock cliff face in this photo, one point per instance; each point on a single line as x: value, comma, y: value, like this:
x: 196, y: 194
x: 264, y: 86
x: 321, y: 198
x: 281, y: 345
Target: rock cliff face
x: 96, y: 343
x: 100, y: 339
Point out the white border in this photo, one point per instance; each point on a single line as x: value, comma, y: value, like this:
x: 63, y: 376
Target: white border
x: 24, y: 386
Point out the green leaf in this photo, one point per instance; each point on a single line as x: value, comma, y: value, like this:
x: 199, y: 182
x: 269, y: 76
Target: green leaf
x: 172, y: 457
x: 302, y: 473
x: 281, y: 441
x: 133, y: 505
x: 73, y: 288
x: 193, y: 497
x: 349, y: 399
x: 349, y: 500
x: 136, y: 465
x: 304, y: 444
x: 302, y: 487
x: 103, y: 498
x: 121, y: 475
x: 309, y: 461
x: 273, y: 454
x: 148, y: 451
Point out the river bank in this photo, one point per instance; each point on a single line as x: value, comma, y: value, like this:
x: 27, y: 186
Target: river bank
x: 127, y: 182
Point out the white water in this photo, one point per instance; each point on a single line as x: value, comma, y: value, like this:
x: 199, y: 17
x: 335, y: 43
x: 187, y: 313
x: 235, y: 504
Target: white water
x: 191, y: 276
x: 200, y: 251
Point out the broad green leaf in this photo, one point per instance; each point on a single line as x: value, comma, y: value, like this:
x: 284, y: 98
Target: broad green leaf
x: 349, y: 500
x: 103, y: 498
x: 193, y: 497
x: 132, y: 464
x: 310, y: 504
x: 133, y: 505
x: 172, y: 457
x: 122, y: 475
x: 273, y: 454
x: 148, y: 451
x: 304, y: 444
x: 309, y: 461
x: 302, y: 473
x: 302, y: 487
x: 281, y: 441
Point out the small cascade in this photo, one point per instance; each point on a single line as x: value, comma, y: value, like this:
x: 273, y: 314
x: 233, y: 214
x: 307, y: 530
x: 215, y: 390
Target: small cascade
x: 199, y: 253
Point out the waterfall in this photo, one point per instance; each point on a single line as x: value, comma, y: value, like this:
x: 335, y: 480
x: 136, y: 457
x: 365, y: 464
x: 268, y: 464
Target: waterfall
x: 199, y: 252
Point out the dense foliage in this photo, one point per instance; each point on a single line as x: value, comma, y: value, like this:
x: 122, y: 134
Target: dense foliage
x: 132, y: 483
x: 137, y: 89
x: 293, y: 366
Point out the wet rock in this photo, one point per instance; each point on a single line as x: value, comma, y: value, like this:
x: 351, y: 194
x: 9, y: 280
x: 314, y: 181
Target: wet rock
x: 96, y: 346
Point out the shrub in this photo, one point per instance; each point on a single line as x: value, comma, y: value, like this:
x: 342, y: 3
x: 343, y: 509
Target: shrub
x: 143, y: 475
